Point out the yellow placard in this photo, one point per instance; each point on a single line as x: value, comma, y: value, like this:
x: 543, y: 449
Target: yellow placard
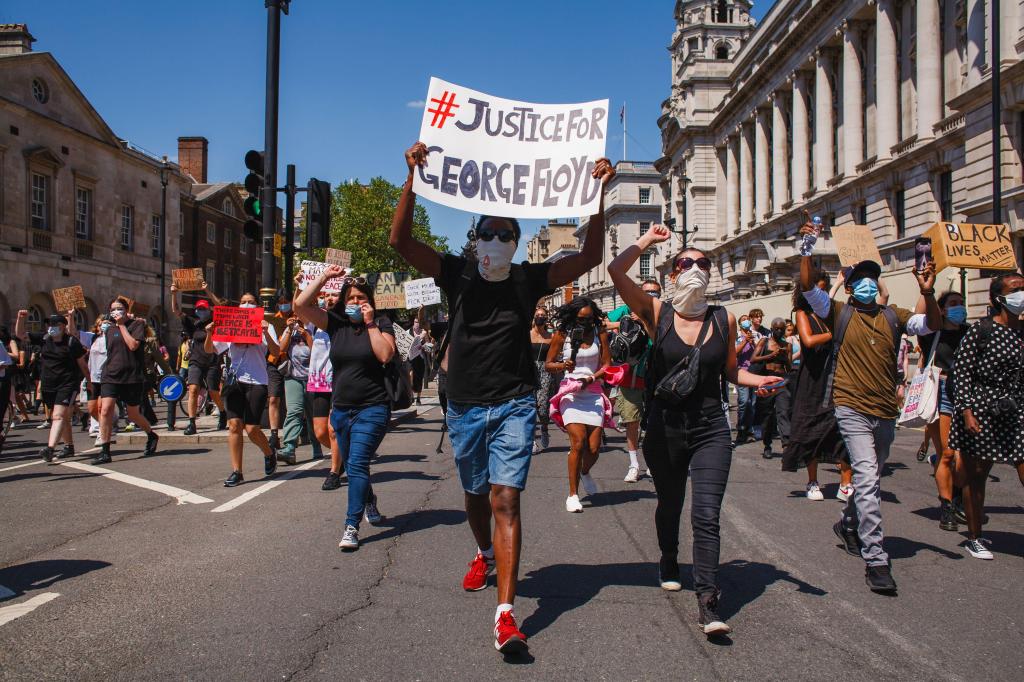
x: 68, y: 298
x: 971, y: 245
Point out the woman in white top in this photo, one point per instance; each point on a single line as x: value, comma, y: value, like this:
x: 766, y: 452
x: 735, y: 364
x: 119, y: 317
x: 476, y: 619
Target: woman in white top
x: 318, y: 389
x: 246, y: 398
x: 582, y: 342
x: 97, y: 358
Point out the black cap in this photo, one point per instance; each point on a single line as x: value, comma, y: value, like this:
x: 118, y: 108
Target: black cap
x: 56, y: 319
x: 865, y: 268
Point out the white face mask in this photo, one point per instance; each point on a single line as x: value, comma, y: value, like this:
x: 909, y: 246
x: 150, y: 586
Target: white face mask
x: 689, y: 299
x: 495, y: 257
x: 247, y: 305
x: 1014, y: 302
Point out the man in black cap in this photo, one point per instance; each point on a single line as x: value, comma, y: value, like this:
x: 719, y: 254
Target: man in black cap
x: 866, y: 338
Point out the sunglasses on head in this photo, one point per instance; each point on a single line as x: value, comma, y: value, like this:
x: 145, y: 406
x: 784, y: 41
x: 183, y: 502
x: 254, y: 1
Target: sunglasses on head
x: 355, y: 280
x: 704, y: 263
x: 488, y: 234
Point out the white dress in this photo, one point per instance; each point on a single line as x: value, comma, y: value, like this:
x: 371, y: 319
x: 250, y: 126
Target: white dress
x: 586, y: 406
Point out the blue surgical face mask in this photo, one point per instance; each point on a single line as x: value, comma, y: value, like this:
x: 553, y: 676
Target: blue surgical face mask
x: 745, y: 324
x: 284, y: 307
x: 354, y: 313
x: 865, y: 290
x: 104, y: 327
x: 54, y: 332
x: 322, y: 303
x: 957, y: 314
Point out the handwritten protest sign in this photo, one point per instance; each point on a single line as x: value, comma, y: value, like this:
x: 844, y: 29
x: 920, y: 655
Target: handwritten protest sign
x: 188, y: 279
x: 338, y: 257
x: 503, y: 157
x: 403, y: 341
x: 421, y: 292
x: 68, y: 298
x: 387, y: 289
x: 237, y: 325
x: 855, y: 243
x: 311, y: 271
x: 968, y: 245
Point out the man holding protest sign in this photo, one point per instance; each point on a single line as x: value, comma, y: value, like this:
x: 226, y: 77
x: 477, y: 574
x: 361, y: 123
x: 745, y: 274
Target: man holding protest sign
x: 491, y: 374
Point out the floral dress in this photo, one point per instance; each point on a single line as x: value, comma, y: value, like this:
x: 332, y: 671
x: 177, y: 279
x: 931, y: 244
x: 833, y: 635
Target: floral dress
x: 981, y: 377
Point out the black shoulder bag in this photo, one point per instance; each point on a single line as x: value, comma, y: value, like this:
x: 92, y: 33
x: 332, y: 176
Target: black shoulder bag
x: 679, y: 382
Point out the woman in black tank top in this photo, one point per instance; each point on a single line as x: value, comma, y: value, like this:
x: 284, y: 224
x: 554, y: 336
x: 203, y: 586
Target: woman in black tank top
x: 692, y: 441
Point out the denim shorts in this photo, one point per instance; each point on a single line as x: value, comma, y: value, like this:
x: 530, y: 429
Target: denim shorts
x: 945, y: 407
x: 493, y: 443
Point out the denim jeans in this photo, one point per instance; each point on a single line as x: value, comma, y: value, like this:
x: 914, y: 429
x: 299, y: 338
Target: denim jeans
x: 745, y: 402
x: 867, y: 439
x: 493, y: 443
x: 359, y: 431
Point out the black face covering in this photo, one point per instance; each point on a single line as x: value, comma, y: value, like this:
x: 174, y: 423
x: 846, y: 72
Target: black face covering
x: 540, y: 321
x: 203, y: 315
x: 779, y: 333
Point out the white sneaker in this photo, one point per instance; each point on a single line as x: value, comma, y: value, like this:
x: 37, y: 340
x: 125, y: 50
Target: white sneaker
x: 588, y: 483
x: 350, y: 540
x: 844, y: 493
x: 978, y: 550
x: 44, y: 425
x: 536, y: 446
x: 573, y: 504
x: 647, y: 474
x: 633, y: 475
x: 814, y: 492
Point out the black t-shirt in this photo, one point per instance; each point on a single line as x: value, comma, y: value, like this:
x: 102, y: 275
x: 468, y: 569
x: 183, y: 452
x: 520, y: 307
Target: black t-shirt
x: 949, y: 341
x: 490, y: 359
x: 58, y: 360
x: 195, y: 328
x: 124, y: 366
x: 358, y: 374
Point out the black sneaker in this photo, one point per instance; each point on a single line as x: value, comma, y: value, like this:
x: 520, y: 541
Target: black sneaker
x: 708, y: 619
x: 849, y: 538
x: 102, y: 458
x: 668, y: 574
x: 275, y: 442
x: 879, y: 579
x: 234, y: 479
x: 222, y: 421
x: 66, y: 452
x: 270, y: 463
x: 46, y: 452
x: 947, y: 516
x: 151, y: 440
x: 190, y: 430
x: 287, y: 457
x: 332, y: 482
x: 958, y: 509
x: 767, y: 454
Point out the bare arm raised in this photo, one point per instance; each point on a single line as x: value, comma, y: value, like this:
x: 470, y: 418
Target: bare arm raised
x: 419, y: 255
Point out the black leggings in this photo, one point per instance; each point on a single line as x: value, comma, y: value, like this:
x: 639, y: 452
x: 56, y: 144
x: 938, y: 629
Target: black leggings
x: 701, y: 451
x: 419, y: 368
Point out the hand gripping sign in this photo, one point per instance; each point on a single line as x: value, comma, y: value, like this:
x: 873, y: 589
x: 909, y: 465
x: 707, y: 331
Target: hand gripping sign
x: 502, y: 157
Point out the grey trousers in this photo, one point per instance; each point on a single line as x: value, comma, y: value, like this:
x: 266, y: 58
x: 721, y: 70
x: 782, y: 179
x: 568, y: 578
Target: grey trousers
x: 868, y: 440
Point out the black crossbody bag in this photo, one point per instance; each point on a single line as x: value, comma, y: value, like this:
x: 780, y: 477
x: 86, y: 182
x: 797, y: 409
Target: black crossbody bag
x: 679, y: 382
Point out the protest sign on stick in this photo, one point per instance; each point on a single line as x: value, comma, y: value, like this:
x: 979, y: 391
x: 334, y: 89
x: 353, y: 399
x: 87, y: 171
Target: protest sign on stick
x: 387, y: 289
x: 311, y: 271
x: 188, y: 279
x: 68, y: 298
x: 237, y: 325
x: 499, y: 156
x: 338, y: 257
x: 421, y: 292
x: 969, y: 245
x: 855, y: 243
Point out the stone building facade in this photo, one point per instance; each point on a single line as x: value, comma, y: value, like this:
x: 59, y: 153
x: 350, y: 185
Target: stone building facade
x: 78, y: 205
x: 556, y: 235
x: 872, y: 112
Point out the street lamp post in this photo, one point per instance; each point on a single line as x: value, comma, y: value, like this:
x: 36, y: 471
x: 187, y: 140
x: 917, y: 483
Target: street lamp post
x: 164, y: 170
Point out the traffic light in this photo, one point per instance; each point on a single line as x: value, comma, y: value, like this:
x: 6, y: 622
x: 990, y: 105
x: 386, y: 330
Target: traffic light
x: 253, y: 228
x: 318, y: 214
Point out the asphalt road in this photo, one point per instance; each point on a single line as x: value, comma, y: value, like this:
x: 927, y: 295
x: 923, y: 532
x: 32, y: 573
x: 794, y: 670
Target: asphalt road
x: 104, y: 579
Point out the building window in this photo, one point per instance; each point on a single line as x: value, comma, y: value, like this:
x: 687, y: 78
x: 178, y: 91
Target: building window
x: 722, y: 51
x: 946, y: 195
x: 645, y: 266
x: 228, y: 207
x: 40, y: 201
x: 40, y: 91
x: 211, y: 274
x: 181, y: 225
x: 645, y: 195
x: 127, y: 227
x: 243, y: 280
x: 243, y: 244
x: 861, y: 214
x: 83, y: 213
x: 693, y: 46
x: 35, y: 319
x: 899, y: 213
x: 643, y: 228
x: 722, y: 12
x: 211, y: 232
x: 155, y: 233
x: 229, y: 281
x: 227, y: 239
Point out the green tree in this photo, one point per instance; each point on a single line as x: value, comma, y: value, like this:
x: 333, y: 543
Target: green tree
x: 361, y: 223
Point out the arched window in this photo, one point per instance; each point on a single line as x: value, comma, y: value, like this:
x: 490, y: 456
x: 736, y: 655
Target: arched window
x: 35, y: 319
x: 722, y: 51
x: 80, y: 322
x: 722, y: 12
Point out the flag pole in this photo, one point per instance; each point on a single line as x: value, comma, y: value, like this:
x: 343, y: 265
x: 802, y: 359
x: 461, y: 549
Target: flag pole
x: 623, y: 131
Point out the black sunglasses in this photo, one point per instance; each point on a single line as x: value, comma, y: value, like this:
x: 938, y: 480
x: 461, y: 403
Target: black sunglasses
x: 704, y: 263
x: 502, y: 235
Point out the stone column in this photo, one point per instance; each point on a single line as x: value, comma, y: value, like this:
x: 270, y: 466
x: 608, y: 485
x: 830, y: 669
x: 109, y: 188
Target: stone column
x: 824, y: 168
x: 761, y: 165
x: 780, y: 189
x: 801, y: 136
x: 929, y: 68
x: 975, y: 41
x: 732, y: 185
x: 853, y: 101
x: 886, y: 89
x: 746, y: 178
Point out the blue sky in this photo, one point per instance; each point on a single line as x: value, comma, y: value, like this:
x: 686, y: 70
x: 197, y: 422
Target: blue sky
x: 350, y: 72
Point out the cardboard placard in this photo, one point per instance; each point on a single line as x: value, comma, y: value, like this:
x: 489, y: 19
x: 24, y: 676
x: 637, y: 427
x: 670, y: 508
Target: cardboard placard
x: 502, y: 157
x: 237, y: 325
x: 970, y: 245
x: 311, y: 270
x: 338, y: 257
x: 421, y: 292
x: 403, y: 341
x: 855, y: 243
x: 388, y: 289
x: 68, y: 298
x: 188, y: 279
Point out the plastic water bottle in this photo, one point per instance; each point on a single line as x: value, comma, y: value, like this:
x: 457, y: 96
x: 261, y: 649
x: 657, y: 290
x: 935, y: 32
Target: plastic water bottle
x: 809, y: 240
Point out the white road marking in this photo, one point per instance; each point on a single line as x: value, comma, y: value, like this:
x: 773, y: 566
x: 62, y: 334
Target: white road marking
x: 256, y: 492
x: 25, y: 464
x: 9, y: 613
x: 183, y: 496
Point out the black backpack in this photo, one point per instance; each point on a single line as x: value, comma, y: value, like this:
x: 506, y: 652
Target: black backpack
x: 629, y: 343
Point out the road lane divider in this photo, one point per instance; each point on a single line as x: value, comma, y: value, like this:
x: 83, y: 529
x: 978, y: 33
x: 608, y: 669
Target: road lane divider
x: 9, y: 613
x: 270, y: 485
x: 182, y: 496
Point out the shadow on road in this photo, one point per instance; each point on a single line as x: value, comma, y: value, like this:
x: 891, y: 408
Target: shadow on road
x: 388, y: 476
x: 38, y: 575
x: 903, y: 548
x: 413, y: 521
x: 389, y: 459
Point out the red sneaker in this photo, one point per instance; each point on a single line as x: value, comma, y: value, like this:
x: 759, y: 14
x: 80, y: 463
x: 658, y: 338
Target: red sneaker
x: 476, y: 577
x: 507, y: 637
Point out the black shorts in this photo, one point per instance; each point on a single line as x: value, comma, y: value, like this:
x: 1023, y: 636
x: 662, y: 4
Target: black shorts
x: 275, y: 382
x: 129, y: 394
x: 208, y: 377
x: 92, y: 389
x: 61, y: 395
x: 246, y: 402
x: 320, y: 404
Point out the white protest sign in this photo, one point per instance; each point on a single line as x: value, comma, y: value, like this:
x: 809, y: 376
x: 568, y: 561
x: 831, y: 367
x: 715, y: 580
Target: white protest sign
x: 403, y: 341
x: 311, y: 270
x: 502, y: 157
x: 421, y: 292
